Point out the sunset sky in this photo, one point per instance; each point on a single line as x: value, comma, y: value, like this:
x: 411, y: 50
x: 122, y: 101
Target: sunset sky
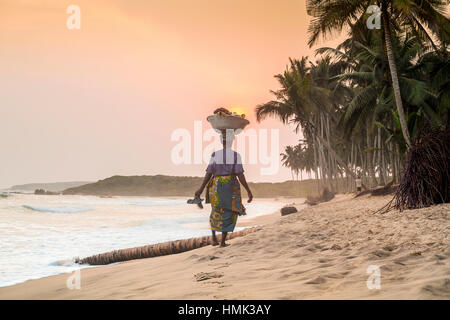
x: 104, y: 100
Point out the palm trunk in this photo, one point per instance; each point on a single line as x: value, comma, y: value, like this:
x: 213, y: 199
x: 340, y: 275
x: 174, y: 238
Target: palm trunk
x: 369, y: 154
x: 156, y: 250
x: 323, y: 160
x: 351, y: 165
x: 393, y: 69
x: 325, y: 143
x: 393, y: 162
x: 326, y: 174
x: 332, y: 167
x: 316, y: 166
x: 380, y: 160
x: 338, y: 158
x: 361, y: 158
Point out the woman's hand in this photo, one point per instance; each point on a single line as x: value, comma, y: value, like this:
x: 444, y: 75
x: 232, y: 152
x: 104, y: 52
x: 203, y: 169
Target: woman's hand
x: 242, y: 180
x: 204, y: 183
x: 250, y: 196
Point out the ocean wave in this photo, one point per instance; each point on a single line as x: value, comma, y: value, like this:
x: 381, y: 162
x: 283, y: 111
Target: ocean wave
x: 155, y: 203
x: 64, y: 263
x: 58, y: 209
x: 131, y: 202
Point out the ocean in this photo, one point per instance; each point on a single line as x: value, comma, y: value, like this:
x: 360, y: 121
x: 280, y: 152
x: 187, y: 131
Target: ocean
x: 41, y: 235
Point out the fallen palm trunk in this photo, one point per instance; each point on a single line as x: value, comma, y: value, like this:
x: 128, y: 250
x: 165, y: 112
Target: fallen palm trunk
x: 156, y: 250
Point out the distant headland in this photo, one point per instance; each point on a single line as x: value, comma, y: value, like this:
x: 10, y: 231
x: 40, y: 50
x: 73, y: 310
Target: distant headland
x: 52, y: 186
x: 162, y: 185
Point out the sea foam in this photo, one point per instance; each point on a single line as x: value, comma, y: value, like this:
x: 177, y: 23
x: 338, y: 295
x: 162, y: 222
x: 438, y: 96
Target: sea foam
x: 58, y: 209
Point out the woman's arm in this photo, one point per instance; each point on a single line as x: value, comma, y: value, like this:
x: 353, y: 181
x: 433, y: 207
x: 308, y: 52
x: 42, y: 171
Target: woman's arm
x: 204, y: 183
x: 242, y: 180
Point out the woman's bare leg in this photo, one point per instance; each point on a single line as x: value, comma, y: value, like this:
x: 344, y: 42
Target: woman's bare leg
x: 224, y: 237
x: 214, y: 238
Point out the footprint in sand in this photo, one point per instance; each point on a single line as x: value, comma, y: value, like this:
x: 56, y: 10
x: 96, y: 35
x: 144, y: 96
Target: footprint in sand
x: 318, y: 280
x: 326, y: 265
x: 389, y: 247
x: 202, y: 276
x: 381, y: 254
x: 220, y: 266
x: 207, y: 258
x: 439, y: 257
x: 193, y: 256
x: 439, y: 288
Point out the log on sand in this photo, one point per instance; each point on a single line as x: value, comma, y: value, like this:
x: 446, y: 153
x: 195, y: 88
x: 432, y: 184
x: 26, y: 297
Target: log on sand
x: 156, y: 250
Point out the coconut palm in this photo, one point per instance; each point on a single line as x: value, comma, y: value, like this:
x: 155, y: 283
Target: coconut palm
x: 303, y: 101
x: 288, y: 159
x: 365, y: 70
x: 373, y: 92
x: 415, y: 15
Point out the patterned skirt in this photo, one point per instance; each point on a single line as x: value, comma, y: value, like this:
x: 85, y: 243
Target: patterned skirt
x: 224, y: 194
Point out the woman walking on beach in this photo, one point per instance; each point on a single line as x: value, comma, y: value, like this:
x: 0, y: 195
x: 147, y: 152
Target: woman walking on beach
x: 223, y: 191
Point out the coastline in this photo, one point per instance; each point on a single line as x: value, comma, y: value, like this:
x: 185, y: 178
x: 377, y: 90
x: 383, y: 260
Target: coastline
x: 320, y: 252
x: 58, y: 229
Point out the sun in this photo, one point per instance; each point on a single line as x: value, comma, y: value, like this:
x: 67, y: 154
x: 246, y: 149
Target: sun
x: 238, y: 109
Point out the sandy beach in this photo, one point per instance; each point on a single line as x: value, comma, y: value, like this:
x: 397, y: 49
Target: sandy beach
x: 320, y: 252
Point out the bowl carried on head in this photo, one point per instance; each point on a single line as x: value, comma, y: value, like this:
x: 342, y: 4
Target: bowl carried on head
x: 222, y: 119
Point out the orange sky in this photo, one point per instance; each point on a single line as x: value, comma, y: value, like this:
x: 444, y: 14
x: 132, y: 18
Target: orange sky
x: 87, y: 104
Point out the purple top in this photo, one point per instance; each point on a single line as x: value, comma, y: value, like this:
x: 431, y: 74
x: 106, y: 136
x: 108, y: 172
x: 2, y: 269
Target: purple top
x: 223, y: 161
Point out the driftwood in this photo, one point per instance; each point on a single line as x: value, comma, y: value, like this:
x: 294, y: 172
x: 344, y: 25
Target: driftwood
x: 379, y: 191
x: 324, y: 197
x: 156, y: 250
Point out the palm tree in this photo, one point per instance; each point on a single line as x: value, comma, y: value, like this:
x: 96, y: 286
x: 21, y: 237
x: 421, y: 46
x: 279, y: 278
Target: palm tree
x: 288, y: 159
x: 332, y: 15
x: 373, y: 91
x: 300, y: 159
x: 302, y: 101
x: 294, y: 158
x: 365, y: 69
